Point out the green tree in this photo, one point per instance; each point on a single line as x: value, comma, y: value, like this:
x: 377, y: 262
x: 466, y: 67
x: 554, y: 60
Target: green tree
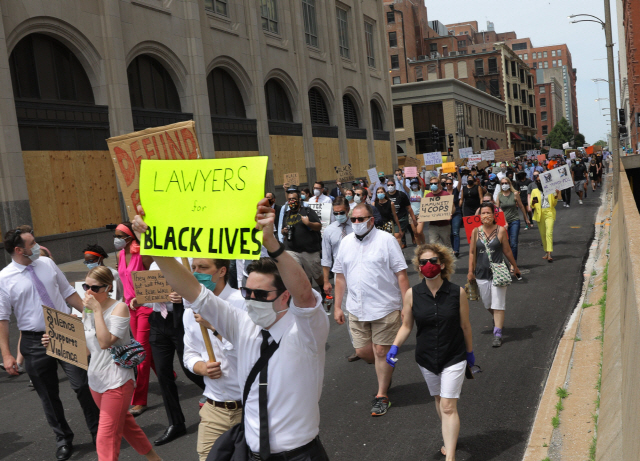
x: 578, y: 140
x: 601, y: 143
x: 561, y: 133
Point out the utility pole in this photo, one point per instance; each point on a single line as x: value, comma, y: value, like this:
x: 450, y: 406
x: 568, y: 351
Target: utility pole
x: 615, y: 135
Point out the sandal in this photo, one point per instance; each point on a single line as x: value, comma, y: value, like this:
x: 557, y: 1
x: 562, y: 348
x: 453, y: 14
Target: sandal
x: 546, y: 256
x: 443, y: 451
x: 550, y: 260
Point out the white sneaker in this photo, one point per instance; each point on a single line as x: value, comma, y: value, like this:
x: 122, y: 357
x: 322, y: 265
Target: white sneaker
x: 568, y: 206
x: 580, y: 202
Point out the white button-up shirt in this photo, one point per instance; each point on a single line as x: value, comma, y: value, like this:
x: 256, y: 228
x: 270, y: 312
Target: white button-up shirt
x: 227, y: 387
x: 331, y: 242
x: 296, y: 369
x: 18, y: 291
x: 369, y: 268
x: 320, y: 199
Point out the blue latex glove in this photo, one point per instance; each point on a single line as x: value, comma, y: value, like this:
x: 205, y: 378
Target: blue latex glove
x: 391, y: 356
x: 471, y: 359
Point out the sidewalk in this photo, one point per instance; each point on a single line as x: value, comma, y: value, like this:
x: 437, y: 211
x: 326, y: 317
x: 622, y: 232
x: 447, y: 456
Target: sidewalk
x: 565, y: 425
x: 75, y: 271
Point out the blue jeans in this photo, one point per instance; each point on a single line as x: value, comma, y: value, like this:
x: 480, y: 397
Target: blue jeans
x: 456, y: 222
x: 513, y: 228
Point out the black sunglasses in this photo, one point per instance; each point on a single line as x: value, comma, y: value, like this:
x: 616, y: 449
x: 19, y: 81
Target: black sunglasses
x: 449, y: 184
x: 360, y: 219
x: 433, y: 260
x: 339, y: 213
x: 258, y: 295
x: 94, y: 288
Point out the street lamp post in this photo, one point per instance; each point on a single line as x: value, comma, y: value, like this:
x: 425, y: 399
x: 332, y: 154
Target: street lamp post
x: 615, y: 150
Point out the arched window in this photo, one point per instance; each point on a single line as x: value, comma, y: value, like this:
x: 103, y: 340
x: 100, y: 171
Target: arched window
x: 278, y: 107
x: 150, y: 85
x: 43, y: 68
x: 225, y: 99
x: 376, y: 117
x: 318, y: 109
x: 350, y: 114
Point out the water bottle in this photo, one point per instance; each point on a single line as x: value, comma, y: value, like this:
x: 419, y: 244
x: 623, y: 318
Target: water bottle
x: 328, y: 302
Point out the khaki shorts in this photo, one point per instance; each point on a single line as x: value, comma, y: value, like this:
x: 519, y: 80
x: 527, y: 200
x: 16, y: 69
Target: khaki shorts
x: 310, y: 262
x: 381, y: 332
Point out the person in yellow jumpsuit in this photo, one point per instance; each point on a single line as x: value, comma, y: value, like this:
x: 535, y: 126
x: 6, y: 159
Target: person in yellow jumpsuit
x: 544, y: 212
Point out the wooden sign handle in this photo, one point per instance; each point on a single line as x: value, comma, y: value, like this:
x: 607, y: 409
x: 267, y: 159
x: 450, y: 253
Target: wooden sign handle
x: 203, y: 329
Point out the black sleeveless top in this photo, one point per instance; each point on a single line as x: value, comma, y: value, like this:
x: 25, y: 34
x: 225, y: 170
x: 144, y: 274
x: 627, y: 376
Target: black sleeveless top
x: 471, y: 200
x: 440, y: 339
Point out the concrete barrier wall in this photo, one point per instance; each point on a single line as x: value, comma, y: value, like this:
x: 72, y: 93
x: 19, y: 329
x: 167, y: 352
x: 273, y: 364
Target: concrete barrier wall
x: 619, y: 418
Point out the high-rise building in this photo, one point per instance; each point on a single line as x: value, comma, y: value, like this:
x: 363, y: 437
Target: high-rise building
x: 631, y: 19
x: 625, y: 140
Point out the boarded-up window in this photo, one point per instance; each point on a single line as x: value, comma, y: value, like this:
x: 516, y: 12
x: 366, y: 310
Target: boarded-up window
x: 448, y: 70
x: 419, y: 77
x: 462, y: 69
x: 432, y: 72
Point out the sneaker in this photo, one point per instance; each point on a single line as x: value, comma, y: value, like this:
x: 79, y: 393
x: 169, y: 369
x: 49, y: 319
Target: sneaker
x: 568, y: 206
x: 21, y: 368
x: 497, y: 341
x: 202, y: 401
x: 456, y: 254
x: 580, y: 202
x: 380, y: 406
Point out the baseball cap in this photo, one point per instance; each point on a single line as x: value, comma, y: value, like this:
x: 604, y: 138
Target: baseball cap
x: 414, y: 181
x: 380, y: 173
x: 492, y: 176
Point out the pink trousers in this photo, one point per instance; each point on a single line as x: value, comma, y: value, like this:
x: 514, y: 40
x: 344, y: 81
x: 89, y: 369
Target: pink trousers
x: 116, y: 422
x: 139, y: 321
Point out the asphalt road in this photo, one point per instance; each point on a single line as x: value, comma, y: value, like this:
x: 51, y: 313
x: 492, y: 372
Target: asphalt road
x: 496, y: 409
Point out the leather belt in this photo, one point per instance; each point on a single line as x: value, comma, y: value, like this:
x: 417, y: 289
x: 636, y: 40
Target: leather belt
x: 228, y: 405
x: 285, y: 455
x: 32, y: 333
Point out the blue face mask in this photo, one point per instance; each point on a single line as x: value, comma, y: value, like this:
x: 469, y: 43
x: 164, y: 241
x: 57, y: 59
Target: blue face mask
x: 303, y: 197
x: 341, y: 218
x: 381, y: 196
x: 433, y: 187
x: 349, y: 198
x: 205, y: 279
x: 92, y: 265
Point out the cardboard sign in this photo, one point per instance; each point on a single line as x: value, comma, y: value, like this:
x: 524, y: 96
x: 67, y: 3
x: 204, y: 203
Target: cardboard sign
x: 150, y: 287
x: 323, y: 210
x: 542, y: 158
x: 411, y: 161
x: 344, y: 173
x: 461, y: 161
x: 203, y: 208
x: 435, y: 208
x: 410, y: 171
x: 449, y: 167
x: 67, y: 340
x: 292, y: 179
x: 482, y: 165
x: 555, y: 152
x: 465, y: 152
x: 432, y: 158
x: 373, y: 175
x: 504, y: 155
x: 474, y: 160
x: 471, y: 222
x: 488, y: 155
x: 557, y: 179
x: 170, y: 142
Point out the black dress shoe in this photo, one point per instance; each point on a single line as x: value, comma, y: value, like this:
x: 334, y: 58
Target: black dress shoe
x: 64, y: 452
x: 172, y: 432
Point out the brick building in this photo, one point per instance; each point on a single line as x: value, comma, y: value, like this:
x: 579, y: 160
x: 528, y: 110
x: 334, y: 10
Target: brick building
x: 550, y: 107
x: 631, y: 18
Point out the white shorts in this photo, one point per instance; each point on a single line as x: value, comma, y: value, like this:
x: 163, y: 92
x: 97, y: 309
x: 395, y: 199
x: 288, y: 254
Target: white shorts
x: 447, y: 384
x: 492, y: 297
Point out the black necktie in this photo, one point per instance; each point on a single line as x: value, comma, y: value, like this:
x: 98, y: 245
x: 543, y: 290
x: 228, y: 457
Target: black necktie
x: 265, y: 448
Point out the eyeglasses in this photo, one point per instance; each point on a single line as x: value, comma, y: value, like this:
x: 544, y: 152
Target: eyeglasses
x: 360, y: 219
x: 94, y: 288
x: 339, y: 213
x: 449, y: 184
x: 259, y: 295
x: 433, y: 260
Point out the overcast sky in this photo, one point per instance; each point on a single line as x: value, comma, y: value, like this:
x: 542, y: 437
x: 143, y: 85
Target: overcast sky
x: 545, y: 23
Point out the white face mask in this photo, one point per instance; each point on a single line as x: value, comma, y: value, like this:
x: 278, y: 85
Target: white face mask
x: 35, y: 253
x: 119, y: 243
x: 357, y: 199
x: 317, y: 192
x: 262, y: 313
x: 361, y: 228
x: 391, y: 189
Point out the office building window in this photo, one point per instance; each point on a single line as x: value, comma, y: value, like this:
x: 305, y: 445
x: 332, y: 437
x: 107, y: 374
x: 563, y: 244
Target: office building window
x: 376, y: 116
x: 217, y: 6
x: 559, y: 62
x: 350, y: 114
x: 546, y: 64
x: 479, y: 66
x: 543, y: 90
x: 391, y: 17
x: 462, y: 43
x: 396, y: 80
x: 269, y: 14
x: 310, y: 25
x: 508, y: 90
x: 553, y: 53
x: 493, y: 65
x: 519, y: 46
x: 559, y: 53
x: 368, y: 34
x: 398, y: 120
x: 544, y: 54
x: 317, y: 108
x: 278, y: 107
x: 343, y: 32
x: 514, y: 71
x: 554, y: 64
x: 526, y: 56
x: 393, y: 39
x: 543, y: 102
x: 395, y: 62
x: 543, y: 116
x: 545, y: 130
x: 535, y: 65
x: 515, y: 91
x: 433, y: 47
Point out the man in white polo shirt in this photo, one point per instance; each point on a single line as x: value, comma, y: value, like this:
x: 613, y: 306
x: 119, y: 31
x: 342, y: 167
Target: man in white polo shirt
x: 370, y: 264
x: 26, y: 284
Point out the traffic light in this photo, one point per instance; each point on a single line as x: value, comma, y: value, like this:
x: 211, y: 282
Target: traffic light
x: 622, y: 129
x: 621, y: 118
x: 435, y: 136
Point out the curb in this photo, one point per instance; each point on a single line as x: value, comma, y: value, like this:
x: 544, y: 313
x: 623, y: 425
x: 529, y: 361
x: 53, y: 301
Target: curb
x: 542, y: 430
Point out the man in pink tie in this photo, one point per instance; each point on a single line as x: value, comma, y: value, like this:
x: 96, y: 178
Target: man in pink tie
x: 26, y: 284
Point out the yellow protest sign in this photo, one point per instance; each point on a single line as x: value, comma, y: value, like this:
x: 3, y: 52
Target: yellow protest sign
x: 449, y: 167
x: 67, y: 340
x: 435, y: 208
x: 202, y: 208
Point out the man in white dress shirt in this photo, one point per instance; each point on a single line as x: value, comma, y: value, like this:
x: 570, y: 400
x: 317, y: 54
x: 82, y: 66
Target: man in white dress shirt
x: 223, y: 408
x: 318, y: 194
x: 282, y: 415
x: 26, y: 284
x: 370, y: 264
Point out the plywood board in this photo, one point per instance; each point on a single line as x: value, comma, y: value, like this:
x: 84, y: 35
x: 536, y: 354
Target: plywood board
x: 287, y: 155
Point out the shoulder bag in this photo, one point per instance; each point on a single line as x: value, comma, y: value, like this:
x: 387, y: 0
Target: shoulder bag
x: 501, y: 275
x: 128, y: 356
x: 232, y: 445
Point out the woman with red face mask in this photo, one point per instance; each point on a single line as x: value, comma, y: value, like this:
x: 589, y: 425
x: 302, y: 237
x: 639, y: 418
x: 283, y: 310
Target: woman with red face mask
x: 106, y: 324
x: 444, y: 341
x: 489, y: 247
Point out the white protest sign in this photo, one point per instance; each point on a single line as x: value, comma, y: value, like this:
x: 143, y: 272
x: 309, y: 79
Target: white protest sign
x: 435, y: 208
x: 432, y: 158
x: 488, y: 155
x: 323, y: 210
x: 474, y: 159
x: 373, y: 175
x: 572, y: 155
x: 556, y: 179
x: 555, y: 152
x: 465, y: 152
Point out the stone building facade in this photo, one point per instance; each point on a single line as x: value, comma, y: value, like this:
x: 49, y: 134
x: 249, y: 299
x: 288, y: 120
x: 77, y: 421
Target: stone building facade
x: 304, y: 82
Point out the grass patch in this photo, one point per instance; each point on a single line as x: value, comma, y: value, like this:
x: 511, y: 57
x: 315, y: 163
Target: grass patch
x: 592, y: 449
x: 585, y: 305
x: 545, y: 446
x: 593, y: 272
x: 555, y: 422
x: 562, y: 392
x: 577, y: 339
